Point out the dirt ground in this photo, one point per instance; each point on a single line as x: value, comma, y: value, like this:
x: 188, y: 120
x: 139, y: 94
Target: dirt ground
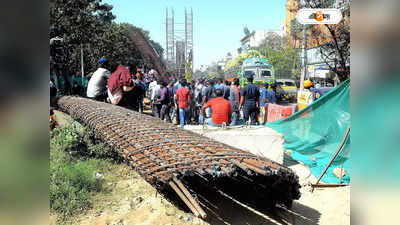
x: 133, y: 201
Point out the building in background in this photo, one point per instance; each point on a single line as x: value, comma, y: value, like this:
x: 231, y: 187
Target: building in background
x: 317, y: 67
x: 203, y: 68
x: 222, y: 63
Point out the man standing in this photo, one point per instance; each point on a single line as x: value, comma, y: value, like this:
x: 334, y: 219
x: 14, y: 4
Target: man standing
x: 156, y: 94
x: 263, y: 104
x: 234, y: 98
x: 224, y: 86
x: 171, y: 104
x: 198, y: 99
x: 164, y: 100
x: 151, y: 86
x: 143, y: 94
x: 209, y: 93
x: 183, y: 98
x: 97, y: 84
x: 250, y: 101
x: 270, y: 99
x: 226, y: 90
x: 221, y: 110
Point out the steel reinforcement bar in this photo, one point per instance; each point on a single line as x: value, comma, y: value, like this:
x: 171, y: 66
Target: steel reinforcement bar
x: 162, y: 153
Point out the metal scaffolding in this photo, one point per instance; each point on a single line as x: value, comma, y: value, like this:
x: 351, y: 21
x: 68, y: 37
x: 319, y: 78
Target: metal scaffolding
x: 170, y: 41
x: 179, y: 43
x: 189, y: 38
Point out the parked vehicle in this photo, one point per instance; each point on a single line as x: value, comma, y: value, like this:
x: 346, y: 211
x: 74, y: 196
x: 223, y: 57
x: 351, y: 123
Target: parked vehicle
x: 286, y: 90
x: 259, y: 68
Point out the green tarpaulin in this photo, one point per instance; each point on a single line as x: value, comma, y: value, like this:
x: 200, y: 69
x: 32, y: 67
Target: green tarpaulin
x: 314, y: 133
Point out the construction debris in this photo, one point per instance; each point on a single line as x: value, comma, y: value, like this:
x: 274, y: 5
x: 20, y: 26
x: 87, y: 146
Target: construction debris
x: 169, y: 157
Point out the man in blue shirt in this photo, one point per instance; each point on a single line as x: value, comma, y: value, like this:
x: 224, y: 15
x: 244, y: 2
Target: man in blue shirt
x: 263, y: 101
x: 271, y: 94
x: 250, y: 101
x: 270, y: 98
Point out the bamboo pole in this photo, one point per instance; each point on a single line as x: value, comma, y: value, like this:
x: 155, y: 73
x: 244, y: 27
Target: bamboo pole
x: 335, y: 155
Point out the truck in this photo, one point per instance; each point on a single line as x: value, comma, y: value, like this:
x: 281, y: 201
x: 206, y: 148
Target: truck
x: 258, y: 68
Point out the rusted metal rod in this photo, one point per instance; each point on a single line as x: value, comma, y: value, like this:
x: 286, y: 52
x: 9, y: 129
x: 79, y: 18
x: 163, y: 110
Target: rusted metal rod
x: 159, y: 151
x: 190, y: 197
x: 255, y: 169
x: 328, y: 185
x: 184, y: 199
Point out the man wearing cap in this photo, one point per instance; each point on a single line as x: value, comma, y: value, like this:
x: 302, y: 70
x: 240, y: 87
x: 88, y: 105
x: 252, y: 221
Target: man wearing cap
x: 250, y: 101
x: 97, y: 84
x: 305, y: 97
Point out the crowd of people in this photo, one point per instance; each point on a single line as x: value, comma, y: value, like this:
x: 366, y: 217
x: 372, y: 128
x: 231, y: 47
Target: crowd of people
x: 214, y: 102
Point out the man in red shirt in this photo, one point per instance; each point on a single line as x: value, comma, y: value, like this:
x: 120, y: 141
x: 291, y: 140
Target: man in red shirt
x: 183, y: 98
x: 221, y: 110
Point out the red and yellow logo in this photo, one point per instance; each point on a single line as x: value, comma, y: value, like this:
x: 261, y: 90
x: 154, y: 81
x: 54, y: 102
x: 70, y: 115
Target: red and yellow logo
x: 319, y: 16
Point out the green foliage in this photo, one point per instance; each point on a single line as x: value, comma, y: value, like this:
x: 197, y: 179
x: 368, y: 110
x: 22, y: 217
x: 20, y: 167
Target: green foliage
x: 281, y: 59
x: 90, y: 23
x: 73, y: 180
x: 238, y: 61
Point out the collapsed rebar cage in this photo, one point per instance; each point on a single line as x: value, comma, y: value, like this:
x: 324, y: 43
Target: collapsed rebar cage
x: 164, y: 155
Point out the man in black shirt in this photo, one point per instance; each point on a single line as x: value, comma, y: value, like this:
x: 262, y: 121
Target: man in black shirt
x: 250, y: 101
x: 209, y: 93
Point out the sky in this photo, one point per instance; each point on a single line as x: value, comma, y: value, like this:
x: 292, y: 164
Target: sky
x: 217, y: 24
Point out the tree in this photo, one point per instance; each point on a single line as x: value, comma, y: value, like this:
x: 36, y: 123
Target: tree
x: 281, y: 58
x: 274, y: 41
x: 295, y: 29
x: 336, y: 52
x: 90, y: 23
x: 238, y: 61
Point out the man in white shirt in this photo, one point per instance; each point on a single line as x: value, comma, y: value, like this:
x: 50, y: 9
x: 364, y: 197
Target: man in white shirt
x: 97, y: 84
x: 155, y: 91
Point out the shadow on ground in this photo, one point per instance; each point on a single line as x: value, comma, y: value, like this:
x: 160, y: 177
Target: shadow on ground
x: 221, y: 208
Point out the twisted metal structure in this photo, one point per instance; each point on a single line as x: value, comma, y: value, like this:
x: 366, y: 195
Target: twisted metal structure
x: 164, y: 155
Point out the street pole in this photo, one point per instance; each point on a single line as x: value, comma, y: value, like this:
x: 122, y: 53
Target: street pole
x: 303, y: 58
x: 83, y: 72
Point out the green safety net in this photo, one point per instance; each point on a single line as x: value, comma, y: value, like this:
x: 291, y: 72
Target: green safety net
x: 314, y: 134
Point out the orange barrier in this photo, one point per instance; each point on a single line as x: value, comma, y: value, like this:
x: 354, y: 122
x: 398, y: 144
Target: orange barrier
x: 277, y: 112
